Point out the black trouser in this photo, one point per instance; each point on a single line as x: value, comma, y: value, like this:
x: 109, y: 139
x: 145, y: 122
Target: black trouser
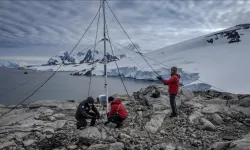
x: 115, y: 119
x: 82, y: 120
x: 173, y: 103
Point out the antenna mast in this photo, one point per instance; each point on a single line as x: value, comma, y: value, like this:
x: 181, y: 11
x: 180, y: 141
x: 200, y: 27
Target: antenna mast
x: 105, y: 55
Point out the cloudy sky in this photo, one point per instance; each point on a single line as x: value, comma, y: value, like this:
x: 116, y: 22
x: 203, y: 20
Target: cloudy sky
x: 33, y: 30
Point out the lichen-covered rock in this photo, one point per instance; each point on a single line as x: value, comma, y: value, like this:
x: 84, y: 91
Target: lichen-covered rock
x: 195, y: 117
x: 29, y: 142
x: 116, y: 146
x: 156, y: 121
x: 49, y: 132
x: 242, y: 144
x: 163, y: 146
x: 147, y: 126
x: 124, y: 136
x: 71, y: 147
x: 212, y: 108
x: 245, y: 102
x: 220, y: 146
x: 207, y: 125
x: 217, y: 119
x: 59, y: 116
x: 98, y: 147
x: 90, y: 135
x: 8, y: 145
x: 45, y: 111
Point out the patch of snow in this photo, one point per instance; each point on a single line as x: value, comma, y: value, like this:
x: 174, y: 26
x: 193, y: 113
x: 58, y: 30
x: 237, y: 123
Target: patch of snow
x: 221, y: 64
x: 12, y: 64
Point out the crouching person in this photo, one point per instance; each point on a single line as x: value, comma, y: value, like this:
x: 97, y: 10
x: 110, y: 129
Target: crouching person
x: 118, y: 112
x: 83, y: 112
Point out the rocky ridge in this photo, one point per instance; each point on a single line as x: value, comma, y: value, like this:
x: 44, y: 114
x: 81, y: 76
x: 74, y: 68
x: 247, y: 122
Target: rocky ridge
x: 207, y: 120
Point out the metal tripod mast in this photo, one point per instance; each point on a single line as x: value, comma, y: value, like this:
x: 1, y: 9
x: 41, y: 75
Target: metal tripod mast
x: 105, y: 55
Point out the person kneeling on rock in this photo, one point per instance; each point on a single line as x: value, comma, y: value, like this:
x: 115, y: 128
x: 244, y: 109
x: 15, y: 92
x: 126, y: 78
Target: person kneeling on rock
x: 118, y: 112
x: 83, y: 113
x: 173, y: 89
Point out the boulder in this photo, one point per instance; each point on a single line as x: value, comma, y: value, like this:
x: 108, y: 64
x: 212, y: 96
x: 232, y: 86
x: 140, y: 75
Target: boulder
x: 84, y: 147
x: 228, y: 138
x: 62, y: 105
x: 116, y: 146
x: 213, y: 108
x: 57, y: 124
x: 185, y: 94
x: 242, y: 144
x: 29, y: 142
x: 163, y: 146
x: 195, y: 117
x: 217, y: 119
x: 220, y: 146
x: 13, y: 117
x: 90, y: 135
x: 59, y: 116
x: 156, y: 121
x: 49, y: 132
x: 45, y: 111
x: 71, y: 147
x: 207, y: 125
x: 157, y: 103
x: 110, y: 139
x: 124, y: 136
x: 194, y: 103
x: 245, y: 102
x: 52, y: 118
x: 99, y: 147
x: 7, y: 145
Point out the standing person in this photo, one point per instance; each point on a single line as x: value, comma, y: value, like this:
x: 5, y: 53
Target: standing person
x: 118, y: 112
x: 83, y: 113
x: 173, y: 89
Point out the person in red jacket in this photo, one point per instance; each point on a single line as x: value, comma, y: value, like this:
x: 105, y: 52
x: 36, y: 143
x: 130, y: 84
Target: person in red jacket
x: 117, y: 113
x: 173, y: 89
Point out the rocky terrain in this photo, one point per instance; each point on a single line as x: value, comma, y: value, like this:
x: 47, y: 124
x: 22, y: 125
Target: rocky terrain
x: 207, y: 120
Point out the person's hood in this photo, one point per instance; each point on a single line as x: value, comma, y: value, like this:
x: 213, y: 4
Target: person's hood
x: 116, y: 101
x: 176, y: 74
x: 89, y: 100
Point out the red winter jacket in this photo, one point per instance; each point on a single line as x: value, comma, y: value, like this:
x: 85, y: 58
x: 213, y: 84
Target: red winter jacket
x: 173, y: 84
x: 118, y: 107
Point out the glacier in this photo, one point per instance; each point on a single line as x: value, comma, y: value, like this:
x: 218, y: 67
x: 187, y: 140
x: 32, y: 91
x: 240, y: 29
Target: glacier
x: 221, y: 64
x: 12, y: 64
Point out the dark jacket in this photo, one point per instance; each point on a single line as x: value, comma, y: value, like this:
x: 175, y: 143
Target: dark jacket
x: 118, y: 108
x: 84, y: 108
x: 173, y: 84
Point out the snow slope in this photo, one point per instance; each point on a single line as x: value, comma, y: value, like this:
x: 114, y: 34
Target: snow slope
x: 88, y: 55
x: 12, y: 64
x: 221, y: 62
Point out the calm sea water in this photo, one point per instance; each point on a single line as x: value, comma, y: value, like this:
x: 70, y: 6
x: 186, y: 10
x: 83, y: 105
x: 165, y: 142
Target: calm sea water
x: 61, y: 87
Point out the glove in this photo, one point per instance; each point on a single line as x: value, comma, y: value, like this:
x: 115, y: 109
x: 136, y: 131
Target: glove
x: 98, y: 116
x: 159, y: 78
x: 90, y: 117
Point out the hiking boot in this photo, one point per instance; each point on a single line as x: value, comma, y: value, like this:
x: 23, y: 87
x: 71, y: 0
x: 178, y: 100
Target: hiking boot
x: 118, y: 125
x: 106, y: 123
x: 173, y: 115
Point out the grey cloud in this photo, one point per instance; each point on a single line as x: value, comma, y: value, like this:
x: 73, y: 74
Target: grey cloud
x: 151, y: 24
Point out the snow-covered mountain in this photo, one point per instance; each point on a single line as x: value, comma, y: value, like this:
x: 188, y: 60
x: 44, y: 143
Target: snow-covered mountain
x: 220, y: 59
x: 90, y: 56
x: 12, y: 64
x: 222, y: 63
